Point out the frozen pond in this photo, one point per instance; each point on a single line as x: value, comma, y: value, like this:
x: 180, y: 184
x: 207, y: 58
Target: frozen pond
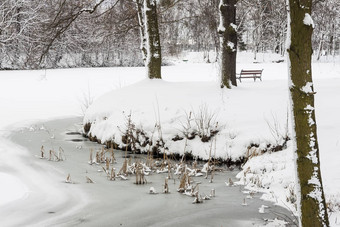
x: 123, y: 203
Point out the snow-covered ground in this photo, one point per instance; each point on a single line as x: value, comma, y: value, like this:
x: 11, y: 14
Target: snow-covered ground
x: 30, y: 96
x: 243, y: 115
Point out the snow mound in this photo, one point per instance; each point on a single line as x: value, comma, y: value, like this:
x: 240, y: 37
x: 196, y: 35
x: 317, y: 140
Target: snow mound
x: 179, y: 108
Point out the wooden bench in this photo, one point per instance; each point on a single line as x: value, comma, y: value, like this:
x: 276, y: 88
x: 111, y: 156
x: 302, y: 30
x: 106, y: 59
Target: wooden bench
x: 250, y: 74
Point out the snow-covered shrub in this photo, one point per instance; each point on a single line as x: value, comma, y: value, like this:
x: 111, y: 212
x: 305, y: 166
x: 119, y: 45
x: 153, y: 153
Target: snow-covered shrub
x: 201, y: 123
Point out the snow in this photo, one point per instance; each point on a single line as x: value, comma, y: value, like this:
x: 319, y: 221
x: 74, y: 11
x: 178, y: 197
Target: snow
x: 28, y: 96
x: 109, y: 113
x: 308, y: 88
x: 234, y: 26
x: 314, y: 180
x: 242, y: 114
x: 272, y: 174
x: 312, y: 155
x: 231, y: 45
x: 262, y: 209
x: 12, y: 186
x: 307, y: 20
x: 221, y: 26
x: 309, y: 108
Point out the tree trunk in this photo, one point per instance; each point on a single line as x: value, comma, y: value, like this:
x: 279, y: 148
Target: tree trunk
x: 320, y: 48
x: 153, y: 59
x: 311, y: 201
x: 17, y: 48
x: 228, y: 40
x: 139, y: 5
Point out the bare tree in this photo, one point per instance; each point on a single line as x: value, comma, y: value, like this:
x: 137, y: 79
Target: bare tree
x: 227, y: 30
x: 89, y: 33
x: 154, y: 57
x: 326, y: 35
x: 17, y: 18
x: 311, y: 200
x: 141, y: 23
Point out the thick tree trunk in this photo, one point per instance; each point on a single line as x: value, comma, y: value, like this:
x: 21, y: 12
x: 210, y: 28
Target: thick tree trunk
x: 154, y: 58
x: 311, y: 200
x: 227, y: 30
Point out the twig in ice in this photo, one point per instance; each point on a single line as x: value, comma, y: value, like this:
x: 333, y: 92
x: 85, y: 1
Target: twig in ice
x: 89, y: 180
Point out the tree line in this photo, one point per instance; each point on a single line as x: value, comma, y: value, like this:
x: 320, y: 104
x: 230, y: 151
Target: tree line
x: 68, y: 33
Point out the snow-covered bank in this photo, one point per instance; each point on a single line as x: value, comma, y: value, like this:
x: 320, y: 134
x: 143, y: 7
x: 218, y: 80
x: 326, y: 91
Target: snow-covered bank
x: 40, y: 94
x: 181, y: 108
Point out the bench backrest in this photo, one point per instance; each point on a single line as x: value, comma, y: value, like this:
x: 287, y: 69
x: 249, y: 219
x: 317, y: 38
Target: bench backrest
x: 251, y: 72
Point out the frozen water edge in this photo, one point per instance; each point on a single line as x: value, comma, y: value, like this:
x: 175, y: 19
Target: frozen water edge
x: 36, y: 195
x: 118, y: 202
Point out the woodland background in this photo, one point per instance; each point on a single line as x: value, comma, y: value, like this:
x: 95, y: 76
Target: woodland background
x: 60, y: 34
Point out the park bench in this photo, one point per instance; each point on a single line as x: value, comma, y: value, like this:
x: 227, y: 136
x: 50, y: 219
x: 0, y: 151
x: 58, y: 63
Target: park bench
x: 250, y: 74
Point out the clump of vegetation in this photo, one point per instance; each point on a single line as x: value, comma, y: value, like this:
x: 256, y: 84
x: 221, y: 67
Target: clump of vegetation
x: 280, y: 135
x: 112, y: 176
x: 291, y: 197
x: 140, y: 173
x: 53, y: 156
x: 201, y: 123
x: 166, y: 186
x: 184, y: 183
x: 333, y: 205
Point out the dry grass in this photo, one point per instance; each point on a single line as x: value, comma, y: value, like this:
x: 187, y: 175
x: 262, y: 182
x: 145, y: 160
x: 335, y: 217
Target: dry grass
x: 107, y: 163
x: 230, y: 182
x: 123, y: 170
x: 51, y: 155
x: 140, y: 179
x: 89, y: 180
x: 42, y: 151
x: 212, y: 192
x: 91, y: 157
x: 184, y: 183
x: 112, y: 175
x: 68, y: 179
x: 166, y: 186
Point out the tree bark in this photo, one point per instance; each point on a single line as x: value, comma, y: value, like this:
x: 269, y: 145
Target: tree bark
x: 311, y: 200
x: 153, y: 58
x: 139, y: 5
x: 228, y: 40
